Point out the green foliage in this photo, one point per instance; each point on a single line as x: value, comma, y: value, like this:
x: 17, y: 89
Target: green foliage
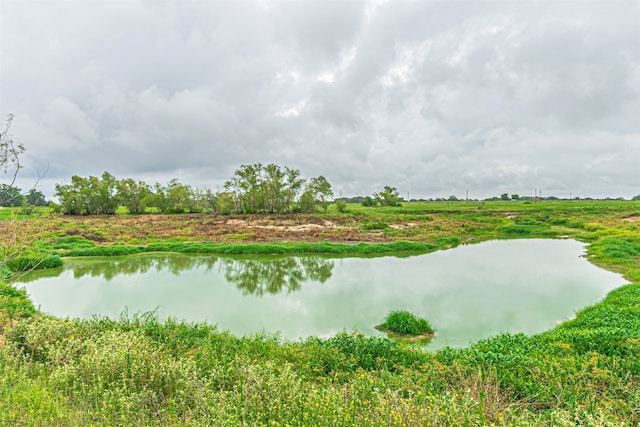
x: 316, y: 194
x: 523, y: 229
x: 35, y: 198
x: 374, y: 225
x: 87, y: 248
x: 616, y: 248
x: 14, y: 304
x: 29, y: 262
x: 450, y: 241
x: 389, y: 196
x: 370, y: 353
x: 341, y: 205
x: 133, y: 195
x: 220, y: 203
x: 141, y: 371
x: 10, y: 196
x: 138, y: 370
x: 368, y: 201
x: 89, y: 196
x: 171, y: 198
x: 73, y: 242
x: 55, y: 208
x: 264, y: 189
x: 405, y: 323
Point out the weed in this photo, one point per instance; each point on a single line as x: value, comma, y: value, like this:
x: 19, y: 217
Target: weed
x: 405, y: 323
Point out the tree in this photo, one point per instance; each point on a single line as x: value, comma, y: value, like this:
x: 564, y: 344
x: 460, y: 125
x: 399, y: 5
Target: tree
x: 633, y: 198
x: 389, y: 196
x: 133, y: 195
x: 171, y: 198
x: 89, y: 196
x: 245, y: 187
x: 157, y: 198
x: 323, y: 191
x: 316, y: 193
x: 504, y: 196
x: 264, y: 189
x: 515, y: 197
x: 15, y: 235
x: 274, y: 185
x: 35, y: 198
x: 307, y: 201
x: 179, y: 196
x: 220, y: 203
x: 105, y: 188
x: 294, y: 184
x: 9, y: 164
x: 11, y: 196
x: 368, y: 201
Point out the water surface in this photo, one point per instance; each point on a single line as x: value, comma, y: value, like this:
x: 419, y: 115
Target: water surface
x: 467, y: 293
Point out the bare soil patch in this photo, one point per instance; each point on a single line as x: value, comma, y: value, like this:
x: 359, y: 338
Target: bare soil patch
x: 138, y: 229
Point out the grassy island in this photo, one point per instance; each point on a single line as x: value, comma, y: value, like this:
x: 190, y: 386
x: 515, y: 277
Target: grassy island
x: 407, y: 325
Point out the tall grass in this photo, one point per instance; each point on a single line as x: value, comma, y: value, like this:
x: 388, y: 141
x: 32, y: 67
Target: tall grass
x: 255, y: 248
x: 405, y: 323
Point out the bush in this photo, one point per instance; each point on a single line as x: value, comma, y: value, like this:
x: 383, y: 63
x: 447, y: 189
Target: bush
x: 55, y: 208
x: 374, y: 225
x: 34, y: 262
x: 14, y: 303
x: 405, y: 323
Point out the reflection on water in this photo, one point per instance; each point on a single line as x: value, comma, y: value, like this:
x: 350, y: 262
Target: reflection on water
x: 259, y: 276
x: 467, y: 293
x: 110, y: 269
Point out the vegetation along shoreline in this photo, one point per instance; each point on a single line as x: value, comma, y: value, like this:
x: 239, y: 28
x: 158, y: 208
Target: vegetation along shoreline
x: 139, y: 370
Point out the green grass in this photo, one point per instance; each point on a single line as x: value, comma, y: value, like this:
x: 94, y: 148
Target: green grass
x: 81, y: 247
x: 405, y: 323
x: 29, y: 262
x: 137, y: 370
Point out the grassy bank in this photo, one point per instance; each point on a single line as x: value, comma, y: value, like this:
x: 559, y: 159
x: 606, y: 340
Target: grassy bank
x: 139, y: 371
x: 414, y: 227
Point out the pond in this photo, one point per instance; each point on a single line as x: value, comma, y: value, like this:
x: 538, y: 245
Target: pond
x: 467, y: 293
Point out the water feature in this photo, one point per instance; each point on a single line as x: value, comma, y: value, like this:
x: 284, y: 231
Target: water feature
x: 467, y: 293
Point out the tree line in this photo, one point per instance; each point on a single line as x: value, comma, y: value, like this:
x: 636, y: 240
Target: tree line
x: 254, y: 188
x: 14, y: 196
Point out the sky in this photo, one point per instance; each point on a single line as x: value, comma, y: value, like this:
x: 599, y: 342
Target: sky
x: 434, y: 98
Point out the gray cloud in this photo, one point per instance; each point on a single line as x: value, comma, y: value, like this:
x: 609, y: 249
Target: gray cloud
x: 435, y: 98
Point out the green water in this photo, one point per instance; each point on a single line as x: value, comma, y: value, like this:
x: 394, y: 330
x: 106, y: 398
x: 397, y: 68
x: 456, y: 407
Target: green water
x: 467, y: 293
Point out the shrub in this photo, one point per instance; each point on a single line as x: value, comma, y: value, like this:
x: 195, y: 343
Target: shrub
x: 14, y: 303
x: 405, y: 323
x: 374, y: 225
x: 34, y: 262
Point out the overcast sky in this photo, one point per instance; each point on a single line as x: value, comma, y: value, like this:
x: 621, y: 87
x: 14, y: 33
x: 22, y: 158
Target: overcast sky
x: 433, y: 98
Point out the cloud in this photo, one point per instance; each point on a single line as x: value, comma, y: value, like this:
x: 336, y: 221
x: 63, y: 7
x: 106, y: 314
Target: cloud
x: 434, y: 98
